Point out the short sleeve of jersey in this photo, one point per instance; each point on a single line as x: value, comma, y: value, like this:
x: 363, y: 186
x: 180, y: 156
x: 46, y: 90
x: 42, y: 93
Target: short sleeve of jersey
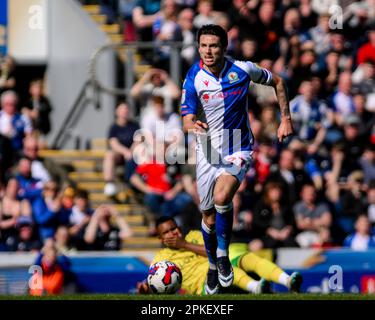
x: 189, y: 97
x: 256, y: 73
x: 112, y: 132
x: 195, y: 237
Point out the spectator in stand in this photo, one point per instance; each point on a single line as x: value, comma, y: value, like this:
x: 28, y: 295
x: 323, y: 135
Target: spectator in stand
x: 205, y: 14
x: 367, y: 118
x: 362, y: 239
x: 63, y: 241
x: 79, y: 217
x: 371, y: 203
x: 342, y: 100
x: 155, y: 82
x: 125, y: 8
x: 353, y: 145
x: 163, y: 126
x: 145, y: 14
x: 100, y: 234
x: 38, y: 169
x: 319, y: 34
x: 46, y: 208
x: 25, y: 238
x: 55, y: 272
x: 38, y: 108
x: 11, y: 209
x: 310, y: 215
x: 262, y: 161
x: 266, y: 28
x: 367, y: 163
x: 13, y: 124
x: 310, y: 118
x: 121, y: 143
x: 352, y: 201
x: 324, y: 240
x: 248, y: 50
x: 165, y: 29
x: 309, y: 17
x: 28, y: 187
x: 290, y: 178
x: 268, y: 118
x: 188, y: 51
x: 273, y: 220
x: 162, y: 186
x: 367, y: 51
x: 364, y: 83
x: 7, y: 77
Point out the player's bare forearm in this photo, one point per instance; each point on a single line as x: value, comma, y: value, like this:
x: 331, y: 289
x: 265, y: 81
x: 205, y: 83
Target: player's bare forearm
x: 282, y: 95
x: 196, y: 248
x: 286, y: 126
x: 190, y: 124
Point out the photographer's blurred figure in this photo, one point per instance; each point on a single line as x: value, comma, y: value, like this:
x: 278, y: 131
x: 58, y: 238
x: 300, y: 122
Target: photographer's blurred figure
x: 54, y: 272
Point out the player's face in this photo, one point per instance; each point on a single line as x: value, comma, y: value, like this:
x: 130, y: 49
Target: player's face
x: 210, y: 50
x: 168, y: 229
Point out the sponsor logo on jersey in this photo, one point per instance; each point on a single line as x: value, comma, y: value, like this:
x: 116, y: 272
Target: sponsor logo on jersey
x: 233, y: 77
x: 206, y: 82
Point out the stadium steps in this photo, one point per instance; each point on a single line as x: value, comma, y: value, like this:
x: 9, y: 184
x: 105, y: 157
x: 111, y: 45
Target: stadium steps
x: 92, y: 9
x: 110, y: 28
x: 99, y: 144
x: 84, y: 165
x: 85, y: 171
x: 141, y: 242
x: 68, y: 156
x: 116, y: 36
x: 99, y: 18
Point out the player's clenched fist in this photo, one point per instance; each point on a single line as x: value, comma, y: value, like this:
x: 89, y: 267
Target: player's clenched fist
x: 200, y: 127
x: 285, y: 129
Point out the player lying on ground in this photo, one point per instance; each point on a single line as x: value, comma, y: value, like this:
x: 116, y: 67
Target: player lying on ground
x: 189, y: 254
x: 214, y: 107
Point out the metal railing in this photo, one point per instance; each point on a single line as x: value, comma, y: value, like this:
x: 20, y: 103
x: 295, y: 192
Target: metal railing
x: 93, y: 87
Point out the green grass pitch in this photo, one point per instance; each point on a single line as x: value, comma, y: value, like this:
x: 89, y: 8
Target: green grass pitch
x: 284, y: 296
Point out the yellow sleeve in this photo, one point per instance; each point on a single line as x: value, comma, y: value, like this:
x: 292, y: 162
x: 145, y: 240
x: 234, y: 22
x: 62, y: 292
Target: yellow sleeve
x: 161, y: 255
x: 195, y: 237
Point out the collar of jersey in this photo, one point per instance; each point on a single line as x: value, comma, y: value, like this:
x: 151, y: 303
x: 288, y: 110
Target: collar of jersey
x: 221, y: 72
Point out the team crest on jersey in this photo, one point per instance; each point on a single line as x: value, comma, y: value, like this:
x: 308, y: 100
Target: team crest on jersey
x: 233, y: 77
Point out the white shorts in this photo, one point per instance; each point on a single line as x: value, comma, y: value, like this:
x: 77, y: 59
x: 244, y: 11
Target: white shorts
x: 236, y: 165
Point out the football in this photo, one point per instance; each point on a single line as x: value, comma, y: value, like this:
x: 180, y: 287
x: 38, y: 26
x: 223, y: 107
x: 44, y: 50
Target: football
x: 164, y: 277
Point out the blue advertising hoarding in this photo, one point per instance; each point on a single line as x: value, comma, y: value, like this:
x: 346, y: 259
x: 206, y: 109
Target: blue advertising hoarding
x: 3, y: 26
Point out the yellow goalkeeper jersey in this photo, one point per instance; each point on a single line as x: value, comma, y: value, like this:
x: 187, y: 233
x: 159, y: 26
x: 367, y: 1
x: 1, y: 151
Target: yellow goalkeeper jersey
x: 193, y: 266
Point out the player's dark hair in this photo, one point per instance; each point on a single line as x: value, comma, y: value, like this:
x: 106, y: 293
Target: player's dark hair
x: 214, y: 30
x: 163, y: 219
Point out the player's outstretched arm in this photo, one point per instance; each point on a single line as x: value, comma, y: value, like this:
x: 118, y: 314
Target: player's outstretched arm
x: 286, y: 125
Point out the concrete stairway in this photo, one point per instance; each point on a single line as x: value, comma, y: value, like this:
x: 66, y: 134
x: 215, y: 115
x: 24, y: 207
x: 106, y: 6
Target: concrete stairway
x: 116, y: 36
x: 86, y: 166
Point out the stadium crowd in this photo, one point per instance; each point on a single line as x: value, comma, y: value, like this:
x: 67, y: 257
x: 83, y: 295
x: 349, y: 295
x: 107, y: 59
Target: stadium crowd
x: 315, y: 190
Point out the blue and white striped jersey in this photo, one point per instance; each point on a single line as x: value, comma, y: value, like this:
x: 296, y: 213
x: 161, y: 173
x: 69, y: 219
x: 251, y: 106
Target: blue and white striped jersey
x: 221, y: 102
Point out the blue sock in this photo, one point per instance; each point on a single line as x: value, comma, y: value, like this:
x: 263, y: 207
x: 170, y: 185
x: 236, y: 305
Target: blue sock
x: 210, y: 243
x: 224, y: 225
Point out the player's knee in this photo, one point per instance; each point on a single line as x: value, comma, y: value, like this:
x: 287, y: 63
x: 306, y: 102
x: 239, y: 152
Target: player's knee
x: 222, y: 199
x: 209, y: 221
x: 223, y: 209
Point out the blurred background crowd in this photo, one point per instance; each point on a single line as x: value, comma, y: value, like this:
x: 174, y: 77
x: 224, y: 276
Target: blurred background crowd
x: 315, y: 190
